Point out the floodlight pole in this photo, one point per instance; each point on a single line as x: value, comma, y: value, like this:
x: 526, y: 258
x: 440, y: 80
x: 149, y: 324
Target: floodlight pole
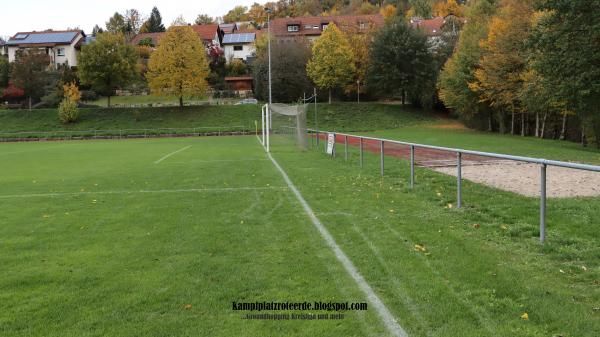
x: 269, y: 51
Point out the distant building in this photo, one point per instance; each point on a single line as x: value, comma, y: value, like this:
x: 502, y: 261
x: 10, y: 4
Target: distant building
x: 61, y: 46
x: 239, y: 46
x: 436, y: 27
x: 209, y: 34
x: 311, y: 27
x: 3, y: 48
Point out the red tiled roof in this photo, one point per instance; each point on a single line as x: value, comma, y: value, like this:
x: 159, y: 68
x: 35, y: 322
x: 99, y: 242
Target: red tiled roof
x: 432, y: 27
x: 206, y: 32
x: 279, y: 26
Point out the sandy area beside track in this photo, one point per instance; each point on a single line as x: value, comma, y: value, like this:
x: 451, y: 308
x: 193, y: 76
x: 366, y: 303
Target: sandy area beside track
x: 525, y: 179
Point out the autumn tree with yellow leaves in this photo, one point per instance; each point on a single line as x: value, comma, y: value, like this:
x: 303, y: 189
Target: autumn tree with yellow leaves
x: 332, y: 63
x: 179, y: 66
x: 498, y: 78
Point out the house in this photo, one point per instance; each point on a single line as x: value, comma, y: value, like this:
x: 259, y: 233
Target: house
x: 228, y: 28
x: 436, y: 27
x: 61, y: 46
x: 311, y: 27
x: 210, y: 35
x: 3, y: 48
x: 239, y: 46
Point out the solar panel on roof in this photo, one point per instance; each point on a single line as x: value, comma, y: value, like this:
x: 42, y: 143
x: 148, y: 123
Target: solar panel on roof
x: 239, y: 38
x: 50, y: 37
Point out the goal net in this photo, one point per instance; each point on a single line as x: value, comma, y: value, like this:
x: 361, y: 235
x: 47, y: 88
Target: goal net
x: 284, y: 125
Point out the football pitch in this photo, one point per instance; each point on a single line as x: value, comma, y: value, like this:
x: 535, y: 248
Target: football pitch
x: 163, y: 237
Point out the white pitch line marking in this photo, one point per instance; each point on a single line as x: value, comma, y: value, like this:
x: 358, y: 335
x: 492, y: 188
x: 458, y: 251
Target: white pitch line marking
x: 216, y: 189
x: 172, y: 153
x: 384, y: 313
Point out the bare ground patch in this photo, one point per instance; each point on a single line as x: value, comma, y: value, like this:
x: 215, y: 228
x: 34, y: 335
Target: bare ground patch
x: 524, y: 179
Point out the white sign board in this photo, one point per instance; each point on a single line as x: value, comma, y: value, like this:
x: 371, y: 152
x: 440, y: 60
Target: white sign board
x: 330, y: 143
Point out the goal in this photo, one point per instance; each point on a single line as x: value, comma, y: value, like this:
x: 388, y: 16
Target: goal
x: 283, y: 125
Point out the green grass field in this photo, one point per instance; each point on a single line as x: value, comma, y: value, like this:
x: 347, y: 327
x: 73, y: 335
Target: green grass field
x: 133, y: 238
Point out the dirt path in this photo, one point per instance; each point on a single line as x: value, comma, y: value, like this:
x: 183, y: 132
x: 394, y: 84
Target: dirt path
x: 517, y: 177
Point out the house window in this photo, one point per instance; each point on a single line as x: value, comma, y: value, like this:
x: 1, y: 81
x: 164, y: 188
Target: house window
x: 324, y: 26
x: 307, y: 26
x: 293, y: 28
x: 362, y: 25
x: 60, y: 51
x: 238, y: 48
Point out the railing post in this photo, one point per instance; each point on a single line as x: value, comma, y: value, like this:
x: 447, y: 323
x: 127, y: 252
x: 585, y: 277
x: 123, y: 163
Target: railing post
x: 145, y: 135
x: 334, y: 141
x: 412, y: 166
x: 543, y: 203
x: 458, y: 180
x: 361, y: 151
x: 381, y: 155
x: 345, y: 148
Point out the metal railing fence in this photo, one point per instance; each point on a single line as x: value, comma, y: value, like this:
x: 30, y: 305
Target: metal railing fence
x: 544, y: 163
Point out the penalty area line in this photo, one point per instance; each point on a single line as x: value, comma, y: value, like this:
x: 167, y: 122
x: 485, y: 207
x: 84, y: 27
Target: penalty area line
x: 172, y: 153
x: 384, y: 313
x: 198, y: 190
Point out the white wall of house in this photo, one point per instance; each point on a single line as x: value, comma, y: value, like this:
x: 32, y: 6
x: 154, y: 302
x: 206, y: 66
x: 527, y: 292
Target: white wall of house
x: 238, y: 51
x: 59, y: 55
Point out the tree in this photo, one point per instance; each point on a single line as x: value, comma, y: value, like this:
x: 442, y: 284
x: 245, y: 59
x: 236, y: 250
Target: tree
x: 288, y: 68
x: 498, y: 78
x: 420, y: 8
x: 154, y: 23
x: 204, y: 19
x: 401, y: 63
x: 444, y: 8
x: 179, y: 66
x: 458, y: 72
x: 238, y: 13
x: 565, y: 44
x: 107, y: 63
x: 332, y: 63
x: 361, y: 41
x: 388, y: 11
x: 97, y: 30
x: 4, y: 72
x: 116, y: 24
x: 133, y: 20
x: 179, y: 21
x: 30, y: 73
x: 257, y: 14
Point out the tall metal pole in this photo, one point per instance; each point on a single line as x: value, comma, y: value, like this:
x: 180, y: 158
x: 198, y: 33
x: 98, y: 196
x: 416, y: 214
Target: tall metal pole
x: 358, y: 91
x: 543, y: 203
x: 361, y: 152
x: 269, y: 51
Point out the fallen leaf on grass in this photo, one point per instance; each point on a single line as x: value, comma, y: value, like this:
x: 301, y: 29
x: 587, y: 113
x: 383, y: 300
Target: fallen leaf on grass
x: 449, y: 206
x: 525, y: 316
x: 420, y: 248
x: 439, y: 194
x: 562, y: 271
x: 584, y: 268
x: 392, y: 211
x: 505, y: 227
x: 187, y: 306
x: 45, y: 216
x: 476, y: 225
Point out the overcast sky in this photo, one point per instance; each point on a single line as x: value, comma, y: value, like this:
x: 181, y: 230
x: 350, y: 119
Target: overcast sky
x: 30, y: 15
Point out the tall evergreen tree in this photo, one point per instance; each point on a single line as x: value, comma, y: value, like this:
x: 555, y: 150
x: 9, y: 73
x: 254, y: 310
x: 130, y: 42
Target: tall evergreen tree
x: 154, y: 23
x: 401, y: 63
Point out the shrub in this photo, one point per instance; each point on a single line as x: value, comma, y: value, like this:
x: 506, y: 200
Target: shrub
x: 68, y: 111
